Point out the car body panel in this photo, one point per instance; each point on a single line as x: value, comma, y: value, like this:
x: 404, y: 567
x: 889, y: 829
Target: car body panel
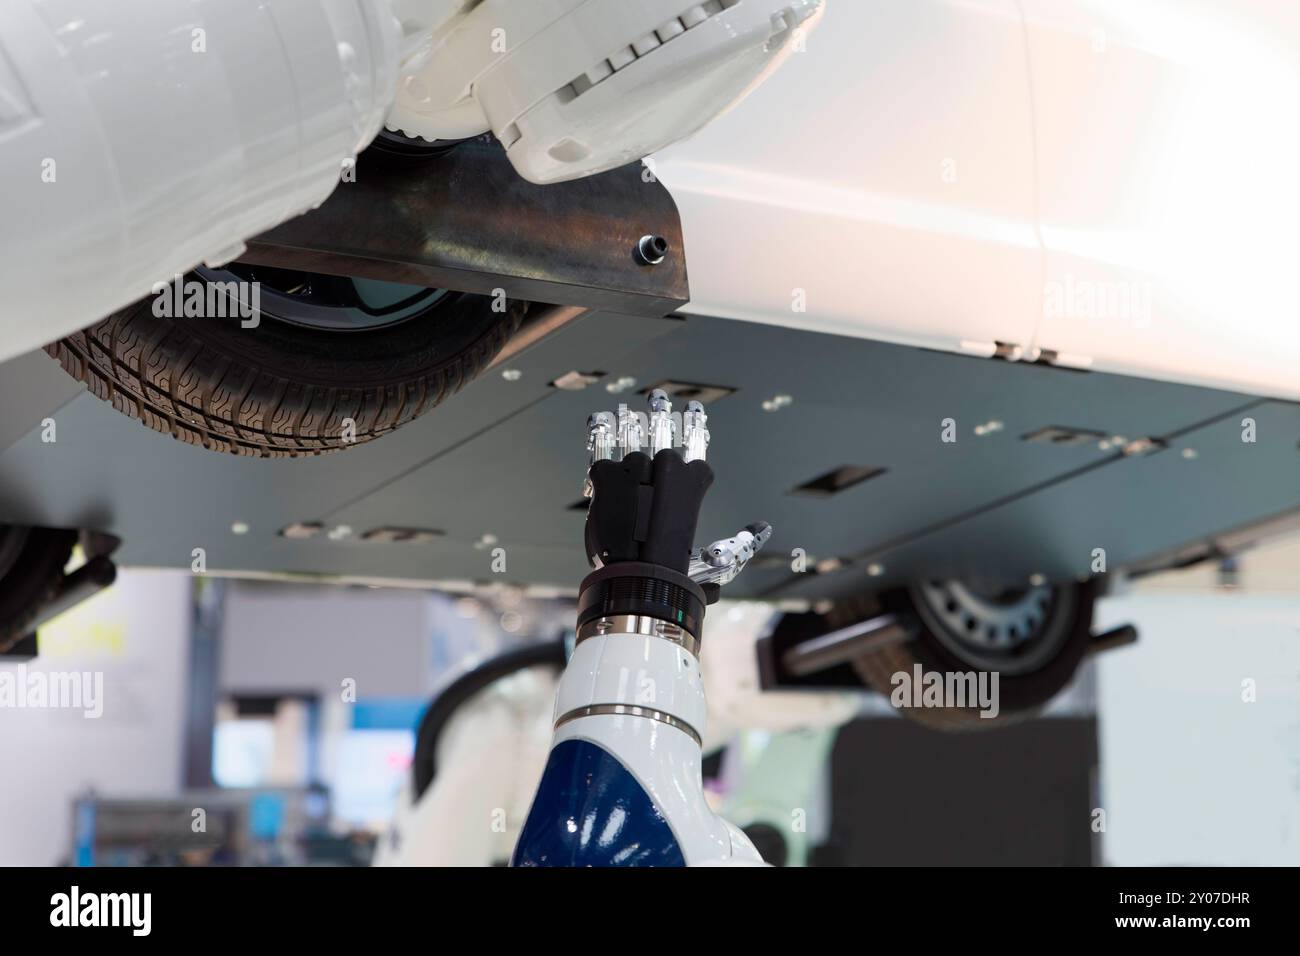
x: 896, y: 196
x: 1096, y: 182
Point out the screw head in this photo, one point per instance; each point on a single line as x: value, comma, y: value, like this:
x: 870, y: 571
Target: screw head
x: 651, y: 250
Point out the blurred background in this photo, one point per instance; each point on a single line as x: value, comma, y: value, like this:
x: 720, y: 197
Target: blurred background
x: 283, y: 717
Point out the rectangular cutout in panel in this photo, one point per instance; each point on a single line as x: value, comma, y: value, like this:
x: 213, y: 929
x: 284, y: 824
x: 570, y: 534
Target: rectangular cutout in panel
x: 1057, y: 435
x: 395, y: 535
x: 836, y: 480
x: 689, y: 391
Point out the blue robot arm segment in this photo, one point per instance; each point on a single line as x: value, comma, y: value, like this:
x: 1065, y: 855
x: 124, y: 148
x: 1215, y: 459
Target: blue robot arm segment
x: 590, y: 811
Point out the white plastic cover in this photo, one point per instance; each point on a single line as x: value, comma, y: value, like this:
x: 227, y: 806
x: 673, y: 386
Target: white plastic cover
x: 575, y: 87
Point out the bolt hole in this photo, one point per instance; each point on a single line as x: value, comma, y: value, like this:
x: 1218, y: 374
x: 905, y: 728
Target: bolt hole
x: 650, y: 250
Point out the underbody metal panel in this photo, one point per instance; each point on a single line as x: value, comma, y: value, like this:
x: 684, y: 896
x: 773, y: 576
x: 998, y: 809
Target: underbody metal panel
x: 465, y: 220
x: 500, y: 466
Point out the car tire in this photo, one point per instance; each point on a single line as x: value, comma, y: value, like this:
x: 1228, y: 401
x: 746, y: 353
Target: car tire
x: 31, y: 569
x: 283, y: 389
x: 1024, y: 686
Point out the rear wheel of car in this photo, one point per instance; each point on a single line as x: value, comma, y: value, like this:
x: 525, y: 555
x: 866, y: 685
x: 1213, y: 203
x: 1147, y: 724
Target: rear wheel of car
x: 1034, y: 638
x: 324, y: 363
x: 31, y: 569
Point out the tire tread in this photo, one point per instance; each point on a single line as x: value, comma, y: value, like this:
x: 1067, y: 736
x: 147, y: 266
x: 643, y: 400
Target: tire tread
x: 165, y: 375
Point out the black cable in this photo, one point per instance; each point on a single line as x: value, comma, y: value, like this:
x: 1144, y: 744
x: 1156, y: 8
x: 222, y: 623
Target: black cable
x: 440, y: 710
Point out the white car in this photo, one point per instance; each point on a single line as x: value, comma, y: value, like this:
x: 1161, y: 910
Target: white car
x: 1095, y: 183
x: 992, y: 295
x: 1091, y: 183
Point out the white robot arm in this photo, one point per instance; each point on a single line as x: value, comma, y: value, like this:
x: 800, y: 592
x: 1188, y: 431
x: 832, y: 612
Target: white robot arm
x: 575, y: 87
x: 489, y: 754
x: 141, y: 138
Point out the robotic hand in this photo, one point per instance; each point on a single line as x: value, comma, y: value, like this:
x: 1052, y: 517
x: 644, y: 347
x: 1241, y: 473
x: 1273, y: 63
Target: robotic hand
x: 622, y: 785
x: 721, y: 561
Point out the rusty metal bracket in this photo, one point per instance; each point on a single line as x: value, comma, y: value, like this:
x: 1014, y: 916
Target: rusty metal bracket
x: 465, y: 220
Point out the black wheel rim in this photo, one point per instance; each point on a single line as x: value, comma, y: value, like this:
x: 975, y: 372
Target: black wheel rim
x: 1014, y: 632
x: 329, y: 303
